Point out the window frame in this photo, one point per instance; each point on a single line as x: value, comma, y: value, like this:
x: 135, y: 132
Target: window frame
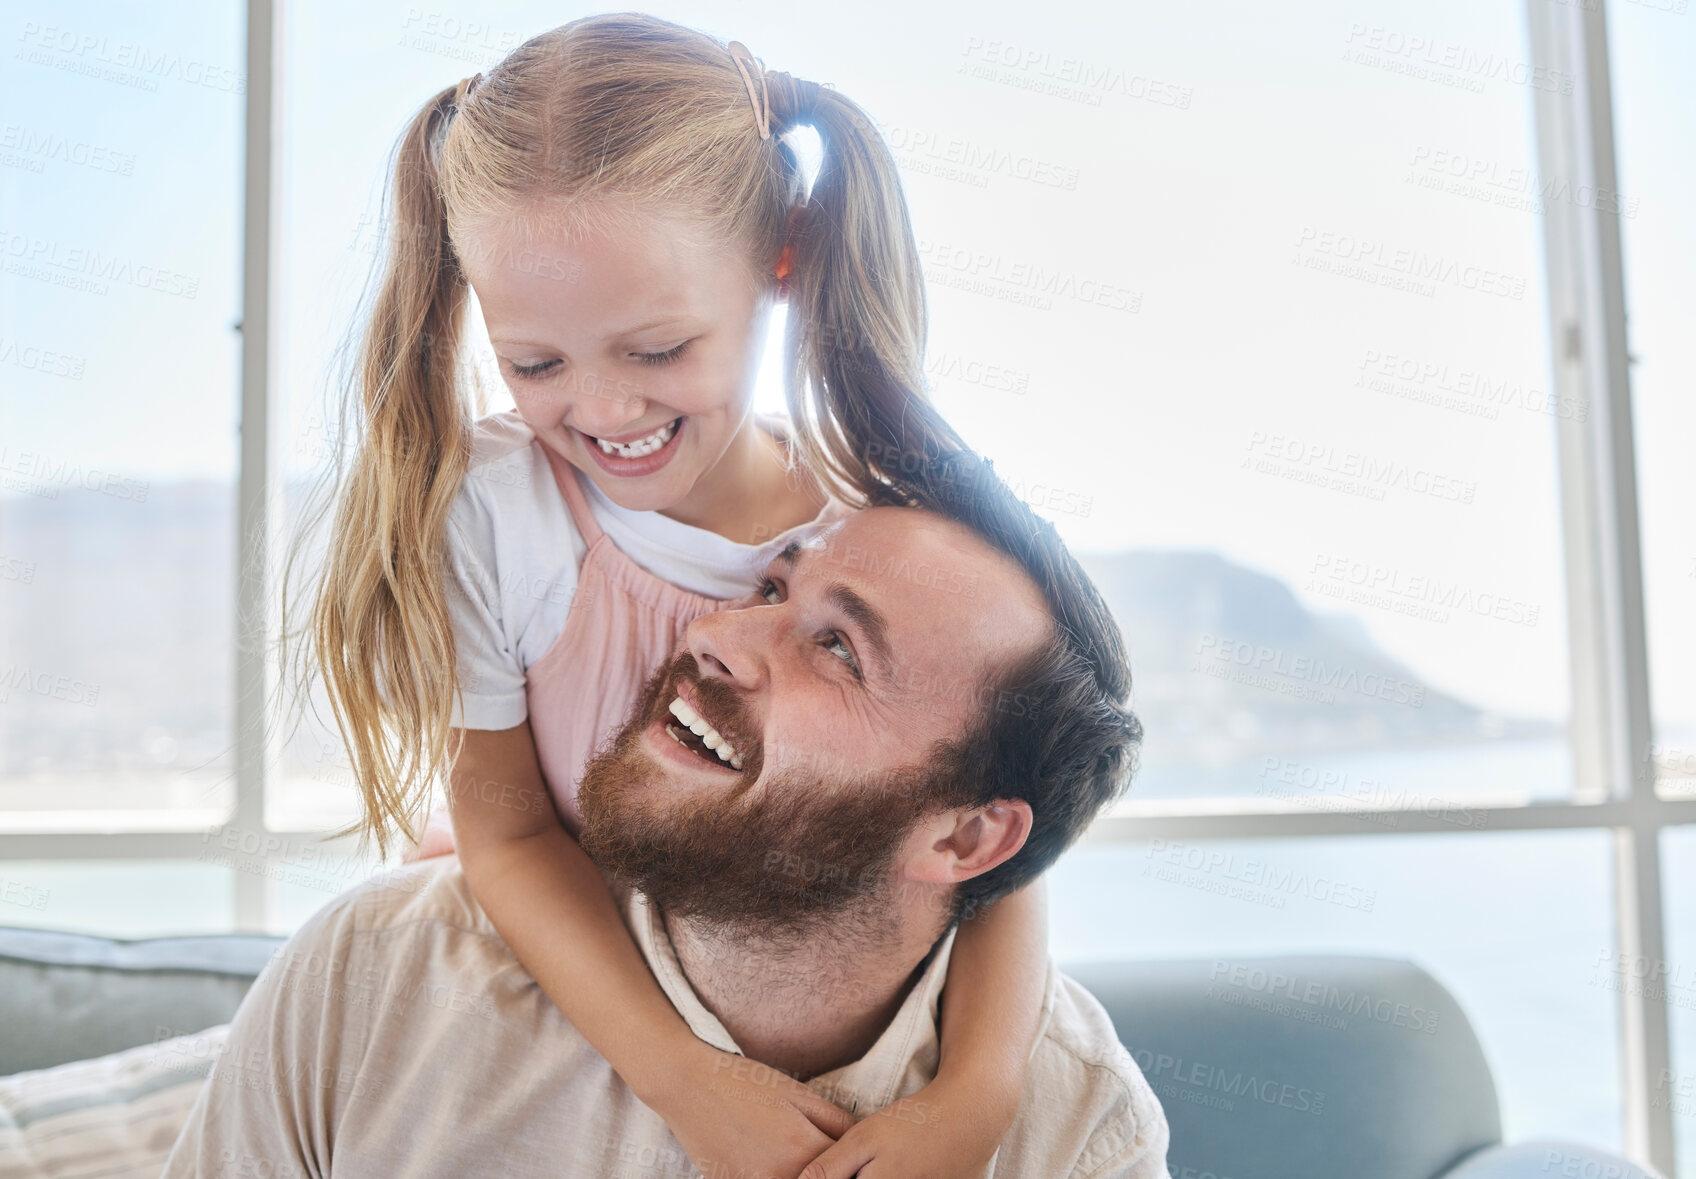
x: 1611, y: 730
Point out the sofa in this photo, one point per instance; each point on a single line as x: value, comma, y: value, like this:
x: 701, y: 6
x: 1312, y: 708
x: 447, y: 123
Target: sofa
x: 1268, y: 1068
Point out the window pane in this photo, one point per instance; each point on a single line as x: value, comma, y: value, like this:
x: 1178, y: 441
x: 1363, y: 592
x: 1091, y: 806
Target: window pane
x: 1514, y: 925
x: 120, y: 176
x: 1279, y: 357
x: 118, y: 898
x: 1678, y: 974
x: 1651, y: 47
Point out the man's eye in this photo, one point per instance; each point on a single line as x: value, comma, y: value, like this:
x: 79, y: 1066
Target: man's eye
x: 768, y: 588
x: 837, y: 647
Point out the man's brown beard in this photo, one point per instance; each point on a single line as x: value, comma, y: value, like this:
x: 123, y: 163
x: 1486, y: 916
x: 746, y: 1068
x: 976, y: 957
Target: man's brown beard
x: 811, y: 850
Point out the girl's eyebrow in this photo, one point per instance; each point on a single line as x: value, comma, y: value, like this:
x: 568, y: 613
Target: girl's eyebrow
x: 664, y: 321
x: 653, y: 323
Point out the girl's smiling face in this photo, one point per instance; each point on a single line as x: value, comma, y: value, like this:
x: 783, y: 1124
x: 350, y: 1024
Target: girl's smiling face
x: 630, y: 347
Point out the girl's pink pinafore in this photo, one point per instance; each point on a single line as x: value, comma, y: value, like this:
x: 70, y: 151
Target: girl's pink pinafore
x: 623, y: 623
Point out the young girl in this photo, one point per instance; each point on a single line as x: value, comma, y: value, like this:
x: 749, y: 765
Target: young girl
x: 618, y: 194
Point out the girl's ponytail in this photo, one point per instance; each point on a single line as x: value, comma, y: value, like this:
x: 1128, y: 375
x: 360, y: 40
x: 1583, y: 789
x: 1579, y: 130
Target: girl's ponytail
x: 380, y: 628
x: 857, y: 318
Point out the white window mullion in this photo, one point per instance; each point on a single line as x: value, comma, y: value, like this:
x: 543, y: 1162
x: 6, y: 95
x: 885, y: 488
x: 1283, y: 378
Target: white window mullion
x: 258, y: 489
x: 1598, y: 479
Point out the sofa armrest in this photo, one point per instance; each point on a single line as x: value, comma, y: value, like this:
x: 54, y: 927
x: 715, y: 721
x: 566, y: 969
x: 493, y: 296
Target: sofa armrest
x: 1546, y: 1159
x: 67, y: 996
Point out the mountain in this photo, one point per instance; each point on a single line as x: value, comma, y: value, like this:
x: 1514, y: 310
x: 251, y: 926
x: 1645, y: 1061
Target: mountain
x: 128, y: 592
x: 1227, y: 661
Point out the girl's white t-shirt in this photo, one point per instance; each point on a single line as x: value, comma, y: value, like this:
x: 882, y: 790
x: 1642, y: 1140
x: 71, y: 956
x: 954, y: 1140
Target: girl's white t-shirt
x: 513, y: 554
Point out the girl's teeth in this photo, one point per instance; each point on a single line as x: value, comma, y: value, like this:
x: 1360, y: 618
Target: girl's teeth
x: 641, y: 446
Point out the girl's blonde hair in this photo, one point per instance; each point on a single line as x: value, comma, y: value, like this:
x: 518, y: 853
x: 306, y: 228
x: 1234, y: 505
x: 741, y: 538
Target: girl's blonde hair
x: 616, y: 111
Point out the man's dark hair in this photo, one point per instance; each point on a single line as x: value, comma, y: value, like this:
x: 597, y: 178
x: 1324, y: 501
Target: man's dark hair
x: 1057, y: 728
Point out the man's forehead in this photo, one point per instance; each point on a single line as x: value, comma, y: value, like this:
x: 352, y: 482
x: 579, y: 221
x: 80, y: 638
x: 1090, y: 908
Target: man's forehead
x: 948, y: 599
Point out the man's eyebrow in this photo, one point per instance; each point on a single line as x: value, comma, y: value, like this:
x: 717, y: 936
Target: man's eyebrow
x: 866, y: 618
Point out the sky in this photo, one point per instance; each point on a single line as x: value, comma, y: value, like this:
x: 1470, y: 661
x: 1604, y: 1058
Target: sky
x: 1262, y: 280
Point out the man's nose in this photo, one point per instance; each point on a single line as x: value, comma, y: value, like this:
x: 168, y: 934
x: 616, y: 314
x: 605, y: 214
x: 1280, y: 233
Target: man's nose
x: 732, y: 645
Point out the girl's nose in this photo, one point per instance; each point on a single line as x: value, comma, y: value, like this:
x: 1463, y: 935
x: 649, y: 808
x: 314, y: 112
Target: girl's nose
x: 604, y: 406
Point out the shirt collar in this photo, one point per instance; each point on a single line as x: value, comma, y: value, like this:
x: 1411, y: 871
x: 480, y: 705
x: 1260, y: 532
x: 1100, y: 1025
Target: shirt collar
x: 903, y: 1059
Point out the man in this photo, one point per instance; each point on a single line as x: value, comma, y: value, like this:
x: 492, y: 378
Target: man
x: 910, y: 751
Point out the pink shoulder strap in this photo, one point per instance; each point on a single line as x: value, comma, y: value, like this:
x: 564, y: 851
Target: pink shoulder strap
x: 565, y: 475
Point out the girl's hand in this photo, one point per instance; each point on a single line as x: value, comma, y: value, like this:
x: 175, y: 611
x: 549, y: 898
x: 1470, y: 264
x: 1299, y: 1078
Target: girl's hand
x: 933, y: 1134
x: 735, y: 1116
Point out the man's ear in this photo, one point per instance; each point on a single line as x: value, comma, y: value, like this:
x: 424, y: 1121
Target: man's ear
x: 960, y: 844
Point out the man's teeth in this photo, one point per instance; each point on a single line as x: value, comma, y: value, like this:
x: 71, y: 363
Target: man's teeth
x: 691, y: 720
x: 641, y: 446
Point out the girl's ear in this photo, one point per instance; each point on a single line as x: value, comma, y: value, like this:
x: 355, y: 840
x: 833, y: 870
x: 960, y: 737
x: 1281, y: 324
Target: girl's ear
x: 786, y: 260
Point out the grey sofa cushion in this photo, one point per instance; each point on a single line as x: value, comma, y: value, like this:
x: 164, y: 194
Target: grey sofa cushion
x: 66, y: 996
x: 1291, y: 1068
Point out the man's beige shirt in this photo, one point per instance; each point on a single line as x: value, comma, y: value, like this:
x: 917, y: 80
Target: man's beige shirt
x: 396, y: 1034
